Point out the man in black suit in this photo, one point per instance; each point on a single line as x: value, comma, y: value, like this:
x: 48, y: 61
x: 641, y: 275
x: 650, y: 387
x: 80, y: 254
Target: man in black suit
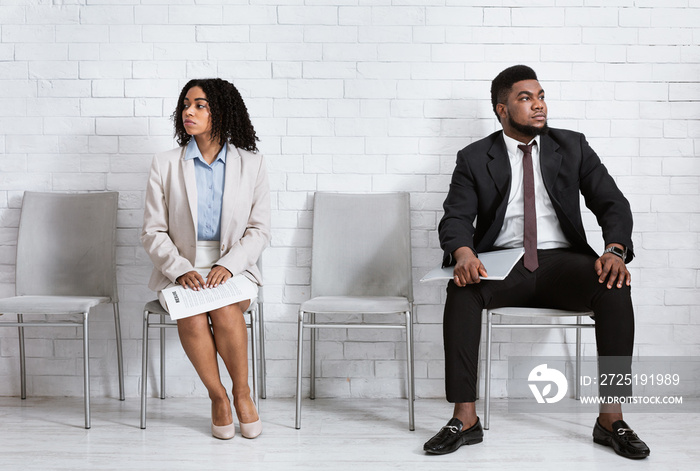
x: 522, y: 187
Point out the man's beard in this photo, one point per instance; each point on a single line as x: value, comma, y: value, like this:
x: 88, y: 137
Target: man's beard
x: 528, y: 130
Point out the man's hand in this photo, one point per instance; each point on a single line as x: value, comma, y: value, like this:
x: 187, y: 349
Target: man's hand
x: 612, y: 269
x: 468, y: 267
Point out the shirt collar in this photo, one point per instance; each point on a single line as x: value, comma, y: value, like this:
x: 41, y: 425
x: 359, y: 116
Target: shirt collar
x: 512, y: 144
x: 192, y: 152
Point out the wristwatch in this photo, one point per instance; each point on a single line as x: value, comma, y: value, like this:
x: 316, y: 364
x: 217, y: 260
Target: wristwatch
x: 622, y: 253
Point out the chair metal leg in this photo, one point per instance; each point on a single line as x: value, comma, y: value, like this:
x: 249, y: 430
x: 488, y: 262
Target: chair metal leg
x: 478, y: 368
x: 478, y: 379
x: 312, y: 356
x: 120, y: 357
x: 300, y: 343
x: 413, y: 356
x: 263, y: 373
x: 410, y: 380
x: 253, y: 353
x: 22, y: 359
x: 577, y: 379
x: 86, y: 369
x: 144, y: 368
x: 487, y: 386
x: 162, y: 358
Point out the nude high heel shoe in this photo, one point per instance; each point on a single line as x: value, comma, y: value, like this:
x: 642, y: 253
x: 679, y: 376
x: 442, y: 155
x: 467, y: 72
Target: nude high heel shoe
x: 224, y: 432
x: 252, y: 429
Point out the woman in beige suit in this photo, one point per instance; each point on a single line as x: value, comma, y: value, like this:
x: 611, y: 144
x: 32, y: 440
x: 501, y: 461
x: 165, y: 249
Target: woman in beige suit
x: 207, y: 219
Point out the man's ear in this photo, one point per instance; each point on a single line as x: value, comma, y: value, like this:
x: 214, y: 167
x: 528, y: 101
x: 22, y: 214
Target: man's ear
x: 502, y: 110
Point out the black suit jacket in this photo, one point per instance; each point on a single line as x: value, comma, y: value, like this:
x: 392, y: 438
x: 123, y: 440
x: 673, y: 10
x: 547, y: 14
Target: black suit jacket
x: 481, y: 184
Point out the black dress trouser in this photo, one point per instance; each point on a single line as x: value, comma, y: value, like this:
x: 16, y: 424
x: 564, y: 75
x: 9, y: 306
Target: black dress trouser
x: 564, y: 280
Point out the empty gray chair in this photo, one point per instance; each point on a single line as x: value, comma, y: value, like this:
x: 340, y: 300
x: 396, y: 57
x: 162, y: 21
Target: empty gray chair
x: 65, y: 265
x: 153, y: 308
x: 361, y: 264
x: 530, y: 312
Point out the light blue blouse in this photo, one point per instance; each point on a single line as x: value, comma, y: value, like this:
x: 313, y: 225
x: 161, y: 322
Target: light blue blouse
x: 210, y: 191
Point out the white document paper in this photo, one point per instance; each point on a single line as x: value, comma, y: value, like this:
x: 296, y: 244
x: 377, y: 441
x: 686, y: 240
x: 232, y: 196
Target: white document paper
x: 498, y: 265
x: 183, y: 302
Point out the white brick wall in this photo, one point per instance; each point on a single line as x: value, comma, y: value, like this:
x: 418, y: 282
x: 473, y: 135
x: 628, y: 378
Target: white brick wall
x: 349, y: 95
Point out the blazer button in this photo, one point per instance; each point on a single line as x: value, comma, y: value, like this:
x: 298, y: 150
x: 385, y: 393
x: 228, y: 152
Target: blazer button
x: 223, y: 247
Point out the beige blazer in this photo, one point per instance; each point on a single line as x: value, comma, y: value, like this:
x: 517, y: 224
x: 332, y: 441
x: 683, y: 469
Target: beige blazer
x: 169, y: 232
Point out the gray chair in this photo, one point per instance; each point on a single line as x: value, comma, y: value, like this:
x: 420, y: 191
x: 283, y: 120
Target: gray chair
x: 530, y: 312
x: 153, y: 308
x: 361, y: 264
x: 65, y: 266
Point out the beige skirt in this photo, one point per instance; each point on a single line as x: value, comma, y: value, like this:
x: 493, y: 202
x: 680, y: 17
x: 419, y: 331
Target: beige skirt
x: 207, y: 255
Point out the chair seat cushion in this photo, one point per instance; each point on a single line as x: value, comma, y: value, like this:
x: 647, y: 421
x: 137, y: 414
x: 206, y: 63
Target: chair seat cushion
x: 154, y: 307
x: 50, y: 304
x: 356, y: 304
x: 538, y: 312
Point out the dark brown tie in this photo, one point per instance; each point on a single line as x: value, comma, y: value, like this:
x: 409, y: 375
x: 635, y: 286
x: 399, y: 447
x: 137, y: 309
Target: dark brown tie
x: 530, y: 223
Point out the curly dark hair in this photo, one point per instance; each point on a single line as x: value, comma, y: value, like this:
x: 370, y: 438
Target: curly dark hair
x: 229, y: 116
x: 503, y: 83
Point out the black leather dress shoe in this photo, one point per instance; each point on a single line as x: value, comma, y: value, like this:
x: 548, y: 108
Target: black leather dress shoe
x: 622, y: 439
x: 450, y: 437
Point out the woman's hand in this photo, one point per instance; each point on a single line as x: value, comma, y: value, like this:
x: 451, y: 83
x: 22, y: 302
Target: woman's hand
x: 191, y: 279
x: 217, y: 275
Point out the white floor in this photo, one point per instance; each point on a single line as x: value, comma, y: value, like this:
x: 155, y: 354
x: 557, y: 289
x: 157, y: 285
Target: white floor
x: 336, y: 434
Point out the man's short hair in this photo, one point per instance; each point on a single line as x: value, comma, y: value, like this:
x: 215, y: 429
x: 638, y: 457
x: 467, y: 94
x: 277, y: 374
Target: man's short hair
x: 503, y: 83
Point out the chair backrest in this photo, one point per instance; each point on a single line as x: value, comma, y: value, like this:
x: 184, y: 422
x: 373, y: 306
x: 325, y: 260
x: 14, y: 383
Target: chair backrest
x: 361, y: 245
x: 66, y: 245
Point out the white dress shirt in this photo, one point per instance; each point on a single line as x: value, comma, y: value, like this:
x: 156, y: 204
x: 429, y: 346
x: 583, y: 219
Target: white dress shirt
x: 549, y: 233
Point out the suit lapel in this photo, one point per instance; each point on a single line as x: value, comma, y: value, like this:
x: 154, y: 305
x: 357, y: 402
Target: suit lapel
x: 232, y: 184
x: 550, y: 163
x: 187, y: 167
x: 499, y: 166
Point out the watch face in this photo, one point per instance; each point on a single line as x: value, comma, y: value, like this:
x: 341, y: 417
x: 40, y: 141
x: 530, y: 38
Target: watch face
x: 617, y: 251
